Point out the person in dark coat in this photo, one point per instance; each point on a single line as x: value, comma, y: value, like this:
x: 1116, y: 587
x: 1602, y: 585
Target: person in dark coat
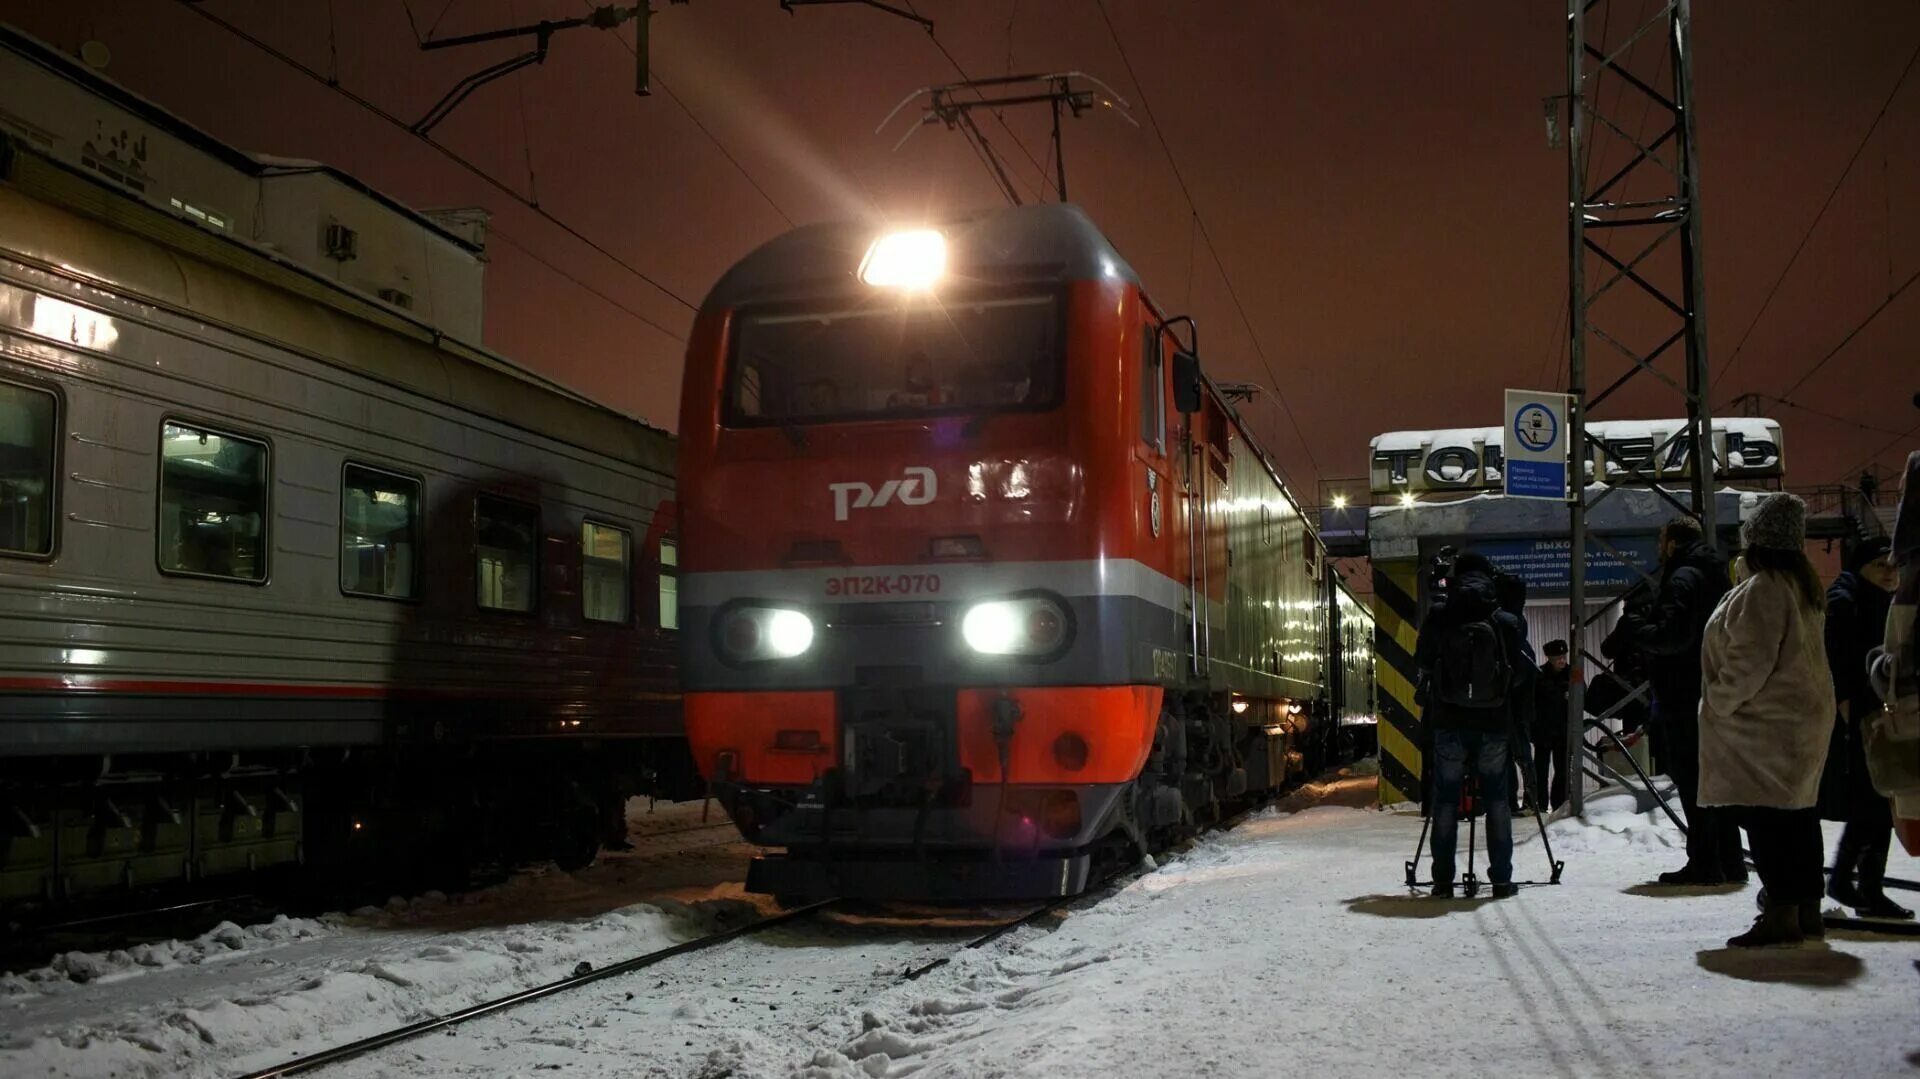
x: 1550, y: 691
x: 1511, y: 592
x: 1693, y: 578
x: 1465, y: 737
x: 1857, y: 605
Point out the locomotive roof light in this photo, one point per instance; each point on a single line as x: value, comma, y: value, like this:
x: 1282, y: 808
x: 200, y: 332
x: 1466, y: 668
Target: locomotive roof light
x: 913, y: 260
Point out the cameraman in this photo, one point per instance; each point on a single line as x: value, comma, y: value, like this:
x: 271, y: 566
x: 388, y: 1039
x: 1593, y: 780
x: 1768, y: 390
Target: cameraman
x: 1469, y: 663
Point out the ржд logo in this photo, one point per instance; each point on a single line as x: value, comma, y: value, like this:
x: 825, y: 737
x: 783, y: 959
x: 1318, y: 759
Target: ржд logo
x: 916, y: 487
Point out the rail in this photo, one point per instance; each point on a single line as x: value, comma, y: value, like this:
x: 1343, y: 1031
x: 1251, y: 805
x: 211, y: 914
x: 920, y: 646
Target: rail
x: 438, y: 1022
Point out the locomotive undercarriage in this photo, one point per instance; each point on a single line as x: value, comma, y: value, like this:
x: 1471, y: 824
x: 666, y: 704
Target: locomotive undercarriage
x: 901, y: 819
x: 80, y: 833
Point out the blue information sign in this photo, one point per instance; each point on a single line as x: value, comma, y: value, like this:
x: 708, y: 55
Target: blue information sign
x: 1536, y: 445
x: 1537, y: 479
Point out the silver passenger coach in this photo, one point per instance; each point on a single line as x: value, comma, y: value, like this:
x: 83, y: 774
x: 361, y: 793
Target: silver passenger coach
x: 292, y: 569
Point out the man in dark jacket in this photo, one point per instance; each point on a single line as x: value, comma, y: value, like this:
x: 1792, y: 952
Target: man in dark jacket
x: 1856, y: 624
x: 1693, y: 577
x: 1465, y: 735
x: 1511, y: 593
x: 1550, y: 724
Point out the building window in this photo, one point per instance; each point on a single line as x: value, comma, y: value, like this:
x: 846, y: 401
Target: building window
x: 26, y: 470
x: 506, y: 554
x: 213, y: 503
x: 604, y: 568
x: 669, y: 584
x: 1153, y: 409
x: 379, y: 533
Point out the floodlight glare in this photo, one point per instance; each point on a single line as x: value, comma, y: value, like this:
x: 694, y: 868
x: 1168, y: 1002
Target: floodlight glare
x: 905, y: 260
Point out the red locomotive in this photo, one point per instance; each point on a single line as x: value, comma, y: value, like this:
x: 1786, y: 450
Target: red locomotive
x: 984, y: 584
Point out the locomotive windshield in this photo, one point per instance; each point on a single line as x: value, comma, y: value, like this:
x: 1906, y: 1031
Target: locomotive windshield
x: 940, y: 356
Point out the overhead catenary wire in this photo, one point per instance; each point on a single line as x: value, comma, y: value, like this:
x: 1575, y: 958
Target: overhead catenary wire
x: 659, y: 84
x: 493, y: 232
x: 1822, y: 413
x: 999, y: 118
x: 1905, y: 436
x: 1851, y: 334
x: 1825, y: 205
x: 458, y: 159
x: 1206, y: 237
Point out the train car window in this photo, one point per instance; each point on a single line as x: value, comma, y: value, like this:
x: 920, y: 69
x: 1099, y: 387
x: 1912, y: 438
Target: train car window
x: 26, y: 470
x: 213, y: 503
x: 1153, y: 389
x: 379, y: 533
x: 832, y: 362
x: 605, y: 565
x: 506, y: 554
x: 669, y: 584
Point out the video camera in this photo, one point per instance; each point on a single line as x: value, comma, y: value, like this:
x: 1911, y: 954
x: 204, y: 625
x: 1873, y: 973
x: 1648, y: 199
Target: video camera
x: 1442, y: 568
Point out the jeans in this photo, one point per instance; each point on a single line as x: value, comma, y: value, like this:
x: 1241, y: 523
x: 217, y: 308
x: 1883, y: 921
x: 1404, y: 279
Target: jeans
x: 1787, y: 851
x: 1492, y: 765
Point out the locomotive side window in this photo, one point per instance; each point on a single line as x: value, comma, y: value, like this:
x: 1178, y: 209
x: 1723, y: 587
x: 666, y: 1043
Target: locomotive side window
x: 506, y: 554
x: 379, y: 533
x: 213, y: 503
x: 994, y: 353
x: 669, y: 584
x: 26, y: 470
x: 1153, y: 402
x: 605, y: 562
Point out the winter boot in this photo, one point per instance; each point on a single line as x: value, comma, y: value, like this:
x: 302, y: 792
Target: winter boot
x: 1813, y: 925
x: 1877, y: 905
x: 1692, y: 874
x: 1871, y: 897
x: 1442, y: 891
x: 1777, y: 926
x: 1846, y: 858
x: 1505, y: 889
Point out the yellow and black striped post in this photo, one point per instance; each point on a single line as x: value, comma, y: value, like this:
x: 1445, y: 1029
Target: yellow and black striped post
x: 1396, y: 613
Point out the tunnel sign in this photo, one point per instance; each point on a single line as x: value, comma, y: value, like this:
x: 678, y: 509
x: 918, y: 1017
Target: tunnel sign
x: 1536, y: 445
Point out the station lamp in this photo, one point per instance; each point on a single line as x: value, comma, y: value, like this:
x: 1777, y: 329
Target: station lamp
x: 1339, y: 502
x: 1406, y: 499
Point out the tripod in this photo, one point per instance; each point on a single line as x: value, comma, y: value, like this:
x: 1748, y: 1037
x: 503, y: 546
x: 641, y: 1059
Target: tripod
x: 1470, y: 809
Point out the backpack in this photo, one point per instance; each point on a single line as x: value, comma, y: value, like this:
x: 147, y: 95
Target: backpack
x: 1470, y: 666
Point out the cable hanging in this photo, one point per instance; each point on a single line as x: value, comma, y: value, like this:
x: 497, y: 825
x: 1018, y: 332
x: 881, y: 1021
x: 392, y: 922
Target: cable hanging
x: 1207, y: 237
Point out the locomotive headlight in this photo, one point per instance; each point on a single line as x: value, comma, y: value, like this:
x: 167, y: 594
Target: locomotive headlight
x: 905, y: 260
x: 752, y: 634
x: 1017, y: 626
x: 789, y: 633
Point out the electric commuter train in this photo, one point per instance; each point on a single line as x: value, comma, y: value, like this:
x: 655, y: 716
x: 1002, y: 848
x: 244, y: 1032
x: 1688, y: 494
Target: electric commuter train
x: 984, y: 584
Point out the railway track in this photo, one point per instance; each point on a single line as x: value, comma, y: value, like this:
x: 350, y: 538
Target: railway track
x: 584, y: 976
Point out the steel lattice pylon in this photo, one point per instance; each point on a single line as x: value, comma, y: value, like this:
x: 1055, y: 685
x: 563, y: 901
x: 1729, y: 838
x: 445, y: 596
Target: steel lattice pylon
x: 1637, y: 229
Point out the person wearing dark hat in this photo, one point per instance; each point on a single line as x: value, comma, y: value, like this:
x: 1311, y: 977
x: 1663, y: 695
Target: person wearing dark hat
x: 1550, y: 724
x: 1766, y: 709
x: 1667, y: 632
x: 1857, y: 605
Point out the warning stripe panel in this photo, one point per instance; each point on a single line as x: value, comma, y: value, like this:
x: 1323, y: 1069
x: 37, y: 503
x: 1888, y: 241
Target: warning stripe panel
x: 1396, y: 634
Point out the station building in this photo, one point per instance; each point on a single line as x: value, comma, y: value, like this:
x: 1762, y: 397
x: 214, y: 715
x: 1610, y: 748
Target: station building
x: 1429, y: 490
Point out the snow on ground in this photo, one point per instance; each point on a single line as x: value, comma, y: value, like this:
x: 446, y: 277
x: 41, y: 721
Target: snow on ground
x: 1288, y: 946
x: 248, y: 996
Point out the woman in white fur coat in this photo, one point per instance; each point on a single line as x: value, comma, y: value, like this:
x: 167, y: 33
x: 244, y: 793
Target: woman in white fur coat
x: 1766, y: 710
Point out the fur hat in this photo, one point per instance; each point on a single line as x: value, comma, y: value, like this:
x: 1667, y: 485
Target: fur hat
x: 1555, y: 648
x: 1778, y: 523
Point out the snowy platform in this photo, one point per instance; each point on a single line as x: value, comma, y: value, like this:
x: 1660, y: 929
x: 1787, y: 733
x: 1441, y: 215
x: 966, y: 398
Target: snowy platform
x: 1286, y: 947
